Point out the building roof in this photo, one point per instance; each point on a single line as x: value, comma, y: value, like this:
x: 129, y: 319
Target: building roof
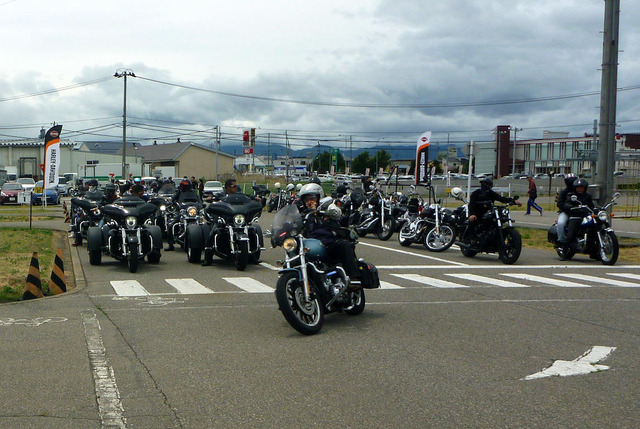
x: 109, y: 147
x: 167, y: 152
x: 33, y: 142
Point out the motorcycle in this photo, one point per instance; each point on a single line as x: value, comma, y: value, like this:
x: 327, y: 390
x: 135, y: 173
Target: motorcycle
x: 434, y: 227
x: 280, y: 198
x: 495, y: 233
x: 230, y: 231
x: 309, y: 286
x: 125, y: 236
x: 164, y: 213
x: 85, y: 213
x: 595, y: 235
x: 376, y: 218
x: 261, y: 191
x: 184, y: 214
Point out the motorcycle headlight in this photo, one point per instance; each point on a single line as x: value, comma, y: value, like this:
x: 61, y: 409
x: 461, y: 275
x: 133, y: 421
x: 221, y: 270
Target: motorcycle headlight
x: 192, y: 211
x: 163, y: 208
x: 603, y: 216
x: 290, y: 244
x: 505, y: 212
x: 131, y: 221
x: 238, y: 219
x: 96, y: 211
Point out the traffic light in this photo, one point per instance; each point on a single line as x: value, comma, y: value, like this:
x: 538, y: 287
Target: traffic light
x: 253, y: 137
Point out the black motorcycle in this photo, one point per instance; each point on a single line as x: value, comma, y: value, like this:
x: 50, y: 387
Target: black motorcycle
x: 164, y: 213
x: 434, y: 227
x: 231, y: 231
x: 310, y: 284
x: 494, y: 233
x: 125, y: 236
x: 261, y: 191
x: 182, y: 215
x: 376, y: 218
x: 280, y: 198
x: 595, y: 236
x: 85, y: 213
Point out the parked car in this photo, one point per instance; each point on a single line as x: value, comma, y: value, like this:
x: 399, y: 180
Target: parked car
x: 63, y: 186
x: 53, y: 196
x: 212, y: 187
x: 27, y: 183
x: 9, y: 193
x: 541, y: 176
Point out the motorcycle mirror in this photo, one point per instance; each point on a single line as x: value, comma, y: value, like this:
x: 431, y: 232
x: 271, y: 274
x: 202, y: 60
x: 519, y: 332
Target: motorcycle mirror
x: 574, y: 198
x: 616, y: 195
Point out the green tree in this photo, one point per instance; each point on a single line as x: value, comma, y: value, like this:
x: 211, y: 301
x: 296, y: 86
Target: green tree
x: 322, y: 162
x: 381, y: 159
x: 360, y: 162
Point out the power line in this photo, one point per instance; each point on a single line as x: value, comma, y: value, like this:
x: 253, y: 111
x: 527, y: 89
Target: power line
x: 53, y: 90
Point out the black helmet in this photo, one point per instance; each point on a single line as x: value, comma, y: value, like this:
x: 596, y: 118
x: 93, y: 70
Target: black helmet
x: 486, y: 183
x: 581, y: 182
x: 185, y: 185
x: 91, y: 182
x: 341, y: 189
x: 110, y: 187
x: 569, y: 179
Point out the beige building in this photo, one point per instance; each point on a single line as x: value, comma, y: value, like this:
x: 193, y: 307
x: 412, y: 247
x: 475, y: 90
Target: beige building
x: 184, y: 159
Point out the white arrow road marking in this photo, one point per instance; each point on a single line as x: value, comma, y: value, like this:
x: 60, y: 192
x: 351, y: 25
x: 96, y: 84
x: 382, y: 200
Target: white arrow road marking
x: 585, y: 364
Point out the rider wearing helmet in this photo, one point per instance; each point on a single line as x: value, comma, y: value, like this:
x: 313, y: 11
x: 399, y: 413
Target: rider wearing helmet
x: 324, y: 226
x: 93, y: 193
x: 583, y: 197
x: 184, y: 194
x: 563, y: 217
x: 479, y: 203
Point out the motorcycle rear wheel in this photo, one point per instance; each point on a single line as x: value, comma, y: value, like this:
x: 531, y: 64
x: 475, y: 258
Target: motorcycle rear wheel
x: 357, y: 302
x: 405, y: 242
x: 511, y: 246
x: 387, y: 229
x: 305, y: 317
x: 610, y: 248
x: 440, y: 241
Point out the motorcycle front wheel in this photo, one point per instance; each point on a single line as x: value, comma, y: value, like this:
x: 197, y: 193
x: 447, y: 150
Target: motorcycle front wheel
x: 305, y: 317
x: 405, y: 230
x: 511, y: 246
x: 132, y: 260
x: 386, y: 229
x: 440, y: 241
x: 610, y: 248
x: 241, y: 257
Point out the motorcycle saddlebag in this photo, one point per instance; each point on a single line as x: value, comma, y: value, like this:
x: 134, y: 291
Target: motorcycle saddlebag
x: 552, y: 234
x: 369, y: 275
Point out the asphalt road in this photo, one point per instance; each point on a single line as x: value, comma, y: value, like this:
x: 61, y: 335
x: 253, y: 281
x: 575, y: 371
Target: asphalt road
x: 447, y: 342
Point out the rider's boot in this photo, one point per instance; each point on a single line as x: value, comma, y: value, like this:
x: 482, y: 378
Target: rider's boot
x: 208, y: 258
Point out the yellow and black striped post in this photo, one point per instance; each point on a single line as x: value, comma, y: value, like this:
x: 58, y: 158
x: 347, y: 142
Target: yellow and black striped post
x: 57, y: 283
x: 33, y: 289
x: 67, y: 218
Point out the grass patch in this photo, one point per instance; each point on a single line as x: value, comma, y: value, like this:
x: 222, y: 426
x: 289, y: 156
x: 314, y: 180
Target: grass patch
x: 16, y: 247
x: 537, y: 239
x: 20, y: 218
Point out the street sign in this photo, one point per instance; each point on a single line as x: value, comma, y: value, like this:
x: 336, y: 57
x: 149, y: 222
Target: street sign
x: 24, y: 197
x: 248, y: 150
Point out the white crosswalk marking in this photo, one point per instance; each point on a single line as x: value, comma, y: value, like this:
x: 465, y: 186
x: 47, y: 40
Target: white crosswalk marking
x: 428, y: 281
x: 387, y: 285
x: 248, y: 284
x: 626, y: 275
x: 487, y: 280
x: 188, y: 286
x: 544, y: 280
x: 601, y: 280
x: 128, y: 288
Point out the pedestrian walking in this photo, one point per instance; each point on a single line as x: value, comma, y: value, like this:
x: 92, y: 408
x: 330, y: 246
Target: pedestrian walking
x: 533, y: 194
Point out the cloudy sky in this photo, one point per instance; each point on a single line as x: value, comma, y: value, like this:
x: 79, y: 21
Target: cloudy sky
x: 374, y: 71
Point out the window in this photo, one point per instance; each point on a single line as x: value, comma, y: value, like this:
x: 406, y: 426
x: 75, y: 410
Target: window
x: 538, y: 151
x: 563, y: 150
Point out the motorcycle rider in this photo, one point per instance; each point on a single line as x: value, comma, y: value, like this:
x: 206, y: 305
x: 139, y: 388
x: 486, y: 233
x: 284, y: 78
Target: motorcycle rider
x: 111, y: 193
x: 563, y: 217
x: 328, y: 230
x: 583, y: 197
x: 185, y: 194
x: 479, y: 204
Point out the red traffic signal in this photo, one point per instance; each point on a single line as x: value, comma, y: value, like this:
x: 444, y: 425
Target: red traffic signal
x: 245, y: 136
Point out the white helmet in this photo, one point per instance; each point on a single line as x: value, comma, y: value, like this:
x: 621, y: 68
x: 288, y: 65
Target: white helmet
x: 277, y: 185
x: 333, y: 212
x: 457, y: 193
x: 290, y: 187
x: 311, y: 188
x: 298, y: 187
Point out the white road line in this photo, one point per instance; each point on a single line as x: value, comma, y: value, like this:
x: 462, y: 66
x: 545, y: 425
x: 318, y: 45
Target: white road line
x: 269, y: 266
x: 487, y: 280
x: 504, y: 267
x: 428, y: 281
x: 389, y: 249
x: 387, y: 285
x: 128, y: 288
x: 626, y: 275
x: 188, y: 286
x: 602, y: 280
x: 248, y: 284
x: 107, y: 394
x: 544, y: 280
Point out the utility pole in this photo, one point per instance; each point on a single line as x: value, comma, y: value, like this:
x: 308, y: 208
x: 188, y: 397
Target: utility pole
x: 124, y: 73
x: 217, y: 137
x: 608, y: 99
x: 268, y: 152
x: 286, y: 139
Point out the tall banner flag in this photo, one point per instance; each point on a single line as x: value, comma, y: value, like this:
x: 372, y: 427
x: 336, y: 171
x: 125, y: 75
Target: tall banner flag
x: 51, y: 157
x: 422, y: 158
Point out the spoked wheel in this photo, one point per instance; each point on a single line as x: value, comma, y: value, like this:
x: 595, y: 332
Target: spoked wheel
x: 511, y: 246
x: 241, y: 258
x: 439, y: 241
x: 386, y: 229
x: 610, y: 248
x: 357, y: 299
x: 132, y: 260
x: 305, y: 317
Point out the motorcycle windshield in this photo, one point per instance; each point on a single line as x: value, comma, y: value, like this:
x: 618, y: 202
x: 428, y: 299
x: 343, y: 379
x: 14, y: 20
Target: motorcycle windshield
x: 287, y: 222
